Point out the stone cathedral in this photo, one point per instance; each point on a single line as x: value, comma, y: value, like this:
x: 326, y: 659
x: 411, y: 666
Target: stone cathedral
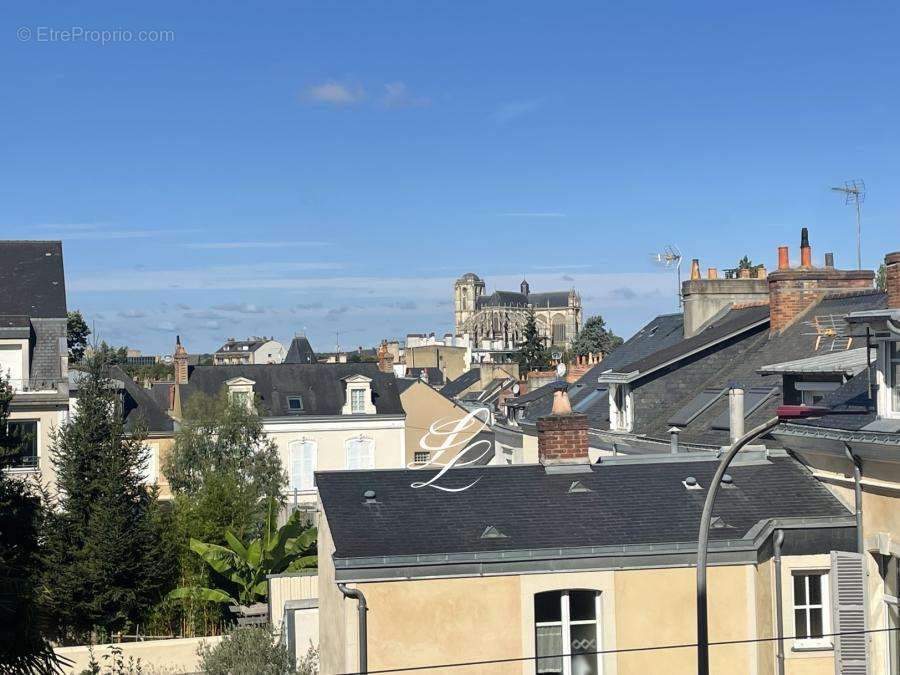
x: 501, y: 316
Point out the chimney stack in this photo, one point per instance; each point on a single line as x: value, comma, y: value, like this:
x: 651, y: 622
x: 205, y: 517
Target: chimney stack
x: 735, y: 412
x: 695, y: 269
x: 784, y: 258
x: 805, y: 250
x: 794, y: 290
x: 892, y: 279
x: 563, y: 436
x: 385, y: 358
x: 180, y: 359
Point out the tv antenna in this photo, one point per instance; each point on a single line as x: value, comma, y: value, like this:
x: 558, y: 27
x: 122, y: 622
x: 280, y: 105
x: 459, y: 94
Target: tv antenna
x: 670, y: 259
x: 854, y: 192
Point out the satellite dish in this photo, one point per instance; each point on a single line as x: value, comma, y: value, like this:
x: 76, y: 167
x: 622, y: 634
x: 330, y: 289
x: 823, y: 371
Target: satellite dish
x: 561, y: 370
x: 516, y: 389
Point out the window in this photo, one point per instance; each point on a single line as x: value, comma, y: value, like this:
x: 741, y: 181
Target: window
x: 421, y: 457
x: 360, y: 453
x: 890, y: 572
x: 295, y: 403
x: 811, y: 622
x: 239, y: 397
x: 24, y: 437
x: 303, y: 465
x: 149, y: 473
x: 357, y: 401
x: 559, y: 331
x: 567, y: 632
x: 620, y: 412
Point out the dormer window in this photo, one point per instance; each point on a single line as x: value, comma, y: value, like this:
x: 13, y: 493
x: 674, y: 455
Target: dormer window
x: 358, y: 396
x: 621, y: 410
x: 295, y: 403
x: 240, y: 391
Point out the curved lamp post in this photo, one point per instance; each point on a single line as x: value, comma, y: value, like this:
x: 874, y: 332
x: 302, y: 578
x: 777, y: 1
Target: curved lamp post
x: 702, y: 618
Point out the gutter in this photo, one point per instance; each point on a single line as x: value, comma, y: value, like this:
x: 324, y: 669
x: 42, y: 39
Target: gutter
x: 779, y: 617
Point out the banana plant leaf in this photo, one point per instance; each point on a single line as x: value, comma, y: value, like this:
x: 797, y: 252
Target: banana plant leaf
x: 208, y: 594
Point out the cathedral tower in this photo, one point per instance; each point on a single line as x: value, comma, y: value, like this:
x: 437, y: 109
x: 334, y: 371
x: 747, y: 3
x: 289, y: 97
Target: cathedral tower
x: 466, y: 291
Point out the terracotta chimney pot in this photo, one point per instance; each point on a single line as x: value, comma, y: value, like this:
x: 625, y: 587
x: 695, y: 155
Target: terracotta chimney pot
x: 695, y: 269
x: 784, y: 258
x: 712, y: 273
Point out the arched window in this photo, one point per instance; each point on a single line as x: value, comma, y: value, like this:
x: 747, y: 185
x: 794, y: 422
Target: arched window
x: 559, y: 330
x: 567, y: 622
x: 303, y: 465
x: 360, y: 453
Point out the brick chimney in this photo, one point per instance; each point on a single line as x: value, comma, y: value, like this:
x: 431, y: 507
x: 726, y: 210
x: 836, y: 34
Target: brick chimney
x: 180, y: 358
x: 892, y: 279
x: 385, y: 358
x: 562, y: 436
x: 793, y: 290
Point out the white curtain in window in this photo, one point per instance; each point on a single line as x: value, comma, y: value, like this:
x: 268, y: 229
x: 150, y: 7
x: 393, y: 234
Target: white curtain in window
x: 360, y: 453
x: 303, y: 465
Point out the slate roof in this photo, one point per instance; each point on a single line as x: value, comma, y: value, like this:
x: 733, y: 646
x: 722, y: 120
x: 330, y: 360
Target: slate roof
x: 467, y: 379
x: 851, y: 407
x: 663, y: 331
x: 300, y: 351
x: 140, y: 408
x: 32, y: 281
x: 626, y: 504
x: 434, y: 375
x: 847, y: 361
x: 238, y: 346
x: 514, y: 299
x: 320, y: 385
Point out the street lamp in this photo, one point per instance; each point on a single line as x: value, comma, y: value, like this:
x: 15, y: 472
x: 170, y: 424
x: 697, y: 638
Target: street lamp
x: 702, y: 617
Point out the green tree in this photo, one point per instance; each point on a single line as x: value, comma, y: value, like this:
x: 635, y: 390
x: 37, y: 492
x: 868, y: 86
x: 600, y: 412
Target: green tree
x: 108, y: 560
x: 23, y: 649
x: 219, y: 435
x: 595, y: 337
x: 745, y: 263
x: 245, y: 567
x: 77, y: 333
x: 881, y: 278
x: 533, y: 353
x: 222, y: 470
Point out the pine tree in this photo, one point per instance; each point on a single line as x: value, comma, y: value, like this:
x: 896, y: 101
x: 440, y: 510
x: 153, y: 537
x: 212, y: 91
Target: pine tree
x: 595, y: 337
x: 23, y: 649
x: 107, y: 559
x: 533, y: 354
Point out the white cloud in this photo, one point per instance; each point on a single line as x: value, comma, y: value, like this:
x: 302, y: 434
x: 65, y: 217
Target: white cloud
x: 397, y: 95
x: 254, y: 244
x: 240, y: 308
x: 132, y: 314
x: 335, y: 93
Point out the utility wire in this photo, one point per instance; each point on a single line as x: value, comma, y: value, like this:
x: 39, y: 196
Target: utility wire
x: 626, y: 650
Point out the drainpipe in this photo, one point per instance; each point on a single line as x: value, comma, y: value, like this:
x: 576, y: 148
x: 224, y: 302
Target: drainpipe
x: 779, y: 618
x: 857, y: 489
x: 362, y: 608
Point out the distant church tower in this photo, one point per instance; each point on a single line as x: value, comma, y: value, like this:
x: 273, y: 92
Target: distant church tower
x: 180, y: 359
x: 525, y: 288
x: 466, y: 291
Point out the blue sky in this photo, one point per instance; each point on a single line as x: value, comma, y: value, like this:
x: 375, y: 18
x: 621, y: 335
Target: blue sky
x: 333, y: 166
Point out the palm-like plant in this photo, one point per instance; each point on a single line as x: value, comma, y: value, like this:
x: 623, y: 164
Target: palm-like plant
x: 290, y: 548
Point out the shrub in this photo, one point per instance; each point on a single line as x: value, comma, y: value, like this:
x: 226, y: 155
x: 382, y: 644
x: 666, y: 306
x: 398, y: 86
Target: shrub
x: 254, y: 651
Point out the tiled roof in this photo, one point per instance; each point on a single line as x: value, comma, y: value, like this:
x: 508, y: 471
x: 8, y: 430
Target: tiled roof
x: 623, y: 504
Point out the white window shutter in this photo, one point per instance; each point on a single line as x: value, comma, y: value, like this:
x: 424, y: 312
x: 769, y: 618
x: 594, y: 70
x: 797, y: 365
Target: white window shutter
x: 353, y: 454
x: 303, y: 465
x: 848, y: 607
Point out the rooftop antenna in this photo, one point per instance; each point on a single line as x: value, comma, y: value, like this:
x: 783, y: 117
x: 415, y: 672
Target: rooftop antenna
x: 854, y: 192
x: 670, y: 259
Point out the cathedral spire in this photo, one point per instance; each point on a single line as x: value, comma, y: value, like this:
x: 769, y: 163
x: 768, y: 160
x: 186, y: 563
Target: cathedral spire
x: 524, y: 287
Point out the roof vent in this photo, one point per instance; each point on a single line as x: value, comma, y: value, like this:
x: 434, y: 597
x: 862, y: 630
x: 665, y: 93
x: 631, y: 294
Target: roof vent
x: 727, y: 479
x: 578, y: 486
x: 691, y: 483
x: 491, y: 532
x: 718, y: 524
x: 369, y: 496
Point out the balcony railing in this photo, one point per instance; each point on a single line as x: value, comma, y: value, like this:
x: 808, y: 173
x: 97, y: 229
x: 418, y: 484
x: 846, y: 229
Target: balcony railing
x: 35, y: 385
